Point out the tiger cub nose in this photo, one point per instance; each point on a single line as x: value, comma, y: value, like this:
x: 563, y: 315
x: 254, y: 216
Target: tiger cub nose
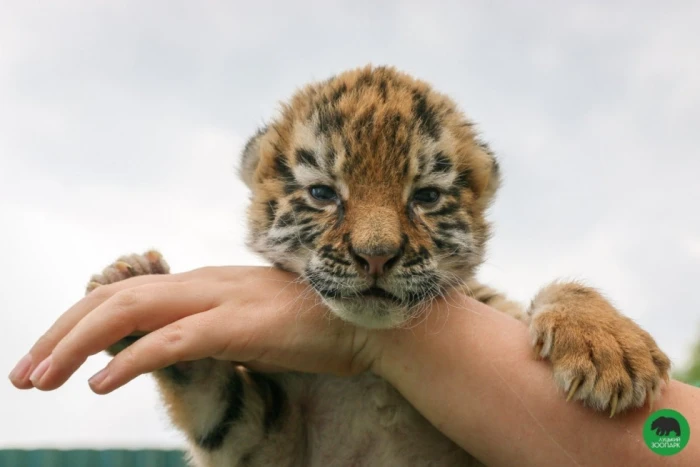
x: 376, y: 265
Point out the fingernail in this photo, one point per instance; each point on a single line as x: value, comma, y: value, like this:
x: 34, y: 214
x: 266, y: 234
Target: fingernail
x: 98, y: 378
x: 20, y: 371
x: 40, y: 371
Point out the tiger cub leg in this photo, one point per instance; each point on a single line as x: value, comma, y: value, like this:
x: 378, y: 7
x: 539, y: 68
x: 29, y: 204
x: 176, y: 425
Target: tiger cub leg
x: 496, y: 299
x: 230, y: 416
x: 598, y: 355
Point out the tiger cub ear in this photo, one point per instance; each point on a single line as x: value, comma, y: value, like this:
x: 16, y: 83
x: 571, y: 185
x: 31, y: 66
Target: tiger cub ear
x: 492, y: 172
x: 251, y: 157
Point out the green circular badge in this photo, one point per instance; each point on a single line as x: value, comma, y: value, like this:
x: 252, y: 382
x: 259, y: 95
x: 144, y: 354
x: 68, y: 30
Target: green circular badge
x: 666, y: 432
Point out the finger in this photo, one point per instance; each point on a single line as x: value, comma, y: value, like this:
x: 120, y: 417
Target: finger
x: 137, y: 309
x: 46, y: 343
x: 191, y: 338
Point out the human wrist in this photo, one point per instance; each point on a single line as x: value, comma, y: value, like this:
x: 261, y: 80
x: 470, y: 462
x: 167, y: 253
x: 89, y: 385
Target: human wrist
x: 385, y: 353
x: 399, y: 351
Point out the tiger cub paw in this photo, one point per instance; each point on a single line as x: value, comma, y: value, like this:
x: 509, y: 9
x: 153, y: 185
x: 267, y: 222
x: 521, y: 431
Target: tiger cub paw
x: 599, y: 356
x: 151, y: 262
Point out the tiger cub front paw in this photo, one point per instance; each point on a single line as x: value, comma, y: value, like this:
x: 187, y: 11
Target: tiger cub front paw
x: 598, y: 355
x: 151, y: 262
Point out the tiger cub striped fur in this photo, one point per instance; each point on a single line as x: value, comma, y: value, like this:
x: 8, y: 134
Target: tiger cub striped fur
x: 374, y: 189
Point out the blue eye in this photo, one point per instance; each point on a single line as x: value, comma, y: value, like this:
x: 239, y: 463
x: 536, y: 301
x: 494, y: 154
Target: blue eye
x: 426, y: 196
x: 323, y: 193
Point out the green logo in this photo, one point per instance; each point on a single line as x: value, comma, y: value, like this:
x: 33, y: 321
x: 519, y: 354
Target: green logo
x: 666, y: 432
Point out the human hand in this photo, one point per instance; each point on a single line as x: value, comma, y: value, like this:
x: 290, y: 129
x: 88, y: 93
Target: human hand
x: 261, y: 317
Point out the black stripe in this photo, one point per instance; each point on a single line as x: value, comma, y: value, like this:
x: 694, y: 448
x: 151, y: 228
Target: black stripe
x: 178, y: 373
x: 453, y: 225
x: 338, y: 93
x: 446, y: 210
x: 327, y: 252
x: 441, y: 163
x: 337, y: 260
x: 383, y: 92
x: 233, y: 394
x: 364, y: 124
x: 329, y: 121
x: 455, y: 192
x: 413, y: 297
x: 320, y: 285
x: 417, y: 260
x: 392, y: 124
x: 273, y: 397
x: 285, y: 173
x: 364, y: 80
x: 429, y: 122
x: 327, y: 293
x: 282, y: 167
x: 442, y: 244
x: 309, y: 235
x: 306, y: 157
x: 299, y: 205
x: 496, y: 166
x: 271, y: 211
x: 349, y: 162
x: 422, y: 162
x: 331, y: 155
x: 339, y: 274
x: 404, y: 168
x: 464, y: 179
x: 410, y: 213
x: 484, y: 146
x: 292, y: 240
x: 285, y: 220
x: 341, y: 215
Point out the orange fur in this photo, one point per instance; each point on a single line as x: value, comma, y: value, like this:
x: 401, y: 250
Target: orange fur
x: 373, y: 139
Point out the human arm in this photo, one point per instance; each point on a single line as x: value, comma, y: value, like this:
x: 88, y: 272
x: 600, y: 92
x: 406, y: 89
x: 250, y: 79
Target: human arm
x: 486, y: 390
x: 472, y: 372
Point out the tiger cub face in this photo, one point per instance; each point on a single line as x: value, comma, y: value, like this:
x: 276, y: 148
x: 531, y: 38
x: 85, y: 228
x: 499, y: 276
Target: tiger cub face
x: 372, y: 187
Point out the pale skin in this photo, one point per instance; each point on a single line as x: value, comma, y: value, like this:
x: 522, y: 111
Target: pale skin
x: 468, y: 368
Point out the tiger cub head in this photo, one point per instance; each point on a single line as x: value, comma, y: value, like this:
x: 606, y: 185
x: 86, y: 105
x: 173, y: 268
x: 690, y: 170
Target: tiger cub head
x: 373, y: 187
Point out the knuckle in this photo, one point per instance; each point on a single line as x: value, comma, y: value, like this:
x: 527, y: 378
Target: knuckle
x: 102, y: 292
x: 172, y: 334
x: 127, y: 357
x: 127, y: 298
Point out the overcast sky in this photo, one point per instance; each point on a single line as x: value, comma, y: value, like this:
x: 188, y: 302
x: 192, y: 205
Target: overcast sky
x: 121, y: 122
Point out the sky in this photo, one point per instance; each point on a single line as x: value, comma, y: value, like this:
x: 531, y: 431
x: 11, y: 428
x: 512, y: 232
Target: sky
x: 121, y: 125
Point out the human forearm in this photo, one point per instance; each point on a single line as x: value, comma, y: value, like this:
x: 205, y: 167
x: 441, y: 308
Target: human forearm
x: 470, y: 370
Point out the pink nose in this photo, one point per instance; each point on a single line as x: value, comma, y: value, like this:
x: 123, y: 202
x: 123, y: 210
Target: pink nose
x: 375, y: 265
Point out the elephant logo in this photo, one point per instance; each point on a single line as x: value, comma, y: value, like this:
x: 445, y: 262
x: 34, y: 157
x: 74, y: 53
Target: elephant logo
x: 665, y: 425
